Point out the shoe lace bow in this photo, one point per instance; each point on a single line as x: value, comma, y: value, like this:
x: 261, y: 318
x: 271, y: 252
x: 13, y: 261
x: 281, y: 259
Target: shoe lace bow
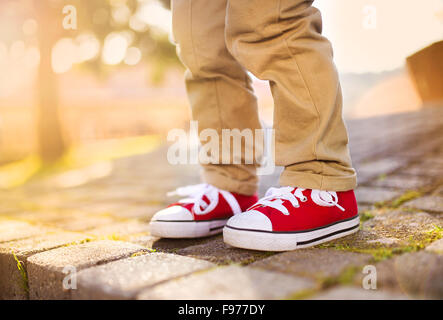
x: 195, y: 193
x: 274, y: 198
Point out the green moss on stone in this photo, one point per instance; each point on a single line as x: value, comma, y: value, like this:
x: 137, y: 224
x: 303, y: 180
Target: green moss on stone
x: 303, y: 294
x: 24, y: 283
x: 405, y: 197
x: 345, y: 277
x: 366, y: 215
x: 380, y: 252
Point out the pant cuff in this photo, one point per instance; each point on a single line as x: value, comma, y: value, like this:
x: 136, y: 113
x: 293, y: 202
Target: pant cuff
x: 229, y: 184
x: 308, y: 180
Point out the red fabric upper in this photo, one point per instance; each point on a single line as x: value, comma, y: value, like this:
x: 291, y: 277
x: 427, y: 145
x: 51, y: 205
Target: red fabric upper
x: 222, y: 210
x: 310, y: 215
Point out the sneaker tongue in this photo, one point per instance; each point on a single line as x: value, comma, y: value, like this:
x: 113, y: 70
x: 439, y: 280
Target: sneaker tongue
x: 305, y: 191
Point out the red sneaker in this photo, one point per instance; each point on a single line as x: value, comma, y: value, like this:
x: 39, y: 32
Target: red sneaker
x: 203, y: 212
x: 292, y: 218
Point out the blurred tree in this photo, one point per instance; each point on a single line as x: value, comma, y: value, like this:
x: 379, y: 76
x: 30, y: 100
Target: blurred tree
x: 99, y: 18
x: 51, y: 143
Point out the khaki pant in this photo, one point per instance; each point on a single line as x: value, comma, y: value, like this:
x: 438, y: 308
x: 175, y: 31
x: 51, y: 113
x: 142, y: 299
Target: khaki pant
x: 279, y: 41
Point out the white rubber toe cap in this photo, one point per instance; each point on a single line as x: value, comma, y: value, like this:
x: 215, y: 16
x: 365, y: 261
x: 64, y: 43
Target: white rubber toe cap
x: 250, y: 220
x: 173, y: 213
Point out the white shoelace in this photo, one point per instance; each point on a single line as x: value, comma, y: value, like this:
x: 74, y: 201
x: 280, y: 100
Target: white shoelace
x: 194, y: 194
x: 274, y: 198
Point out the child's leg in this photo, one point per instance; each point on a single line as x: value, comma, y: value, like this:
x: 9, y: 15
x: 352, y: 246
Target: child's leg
x: 281, y: 41
x: 221, y: 97
x: 218, y: 87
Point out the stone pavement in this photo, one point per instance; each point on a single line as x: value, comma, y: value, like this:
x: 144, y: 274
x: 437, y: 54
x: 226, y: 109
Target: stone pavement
x: 94, y: 237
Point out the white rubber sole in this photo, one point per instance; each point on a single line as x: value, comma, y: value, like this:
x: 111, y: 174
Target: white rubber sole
x: 186, y: 229
x: 285, y: 241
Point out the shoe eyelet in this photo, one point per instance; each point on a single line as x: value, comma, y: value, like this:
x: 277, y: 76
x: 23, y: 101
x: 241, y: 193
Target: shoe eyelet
x: 304, y: 199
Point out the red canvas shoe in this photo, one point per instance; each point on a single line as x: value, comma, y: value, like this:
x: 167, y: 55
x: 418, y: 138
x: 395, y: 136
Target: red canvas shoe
x: 291, y: 218
x: 203, y: 212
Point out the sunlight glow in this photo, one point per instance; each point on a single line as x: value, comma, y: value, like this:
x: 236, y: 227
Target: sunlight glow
x: 114, y: 50
x: 81, y: 176
x: 137, y: 25
x: 121, y: 14
x: 133, y: 56
x: 153, y: 14
x: 88, y: 47
x: 402, y: 27
x: 64, y: 55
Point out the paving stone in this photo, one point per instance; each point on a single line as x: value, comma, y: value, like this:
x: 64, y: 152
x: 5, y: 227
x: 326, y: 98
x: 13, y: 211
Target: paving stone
x: 385, y: 241
x: 11, y: 280
x: 371, y: 195
x: 122, y: 195
x: 45, y: 270
x: 314, y: 263
x: 57, y: 197
x: 143, y: 212
x: 123, y: 279
x: 434, y: 162
x: 427, y: 203
x: 403, y: 182
x: 83, y: 222
x: 67, y: 220
x: 14, y: 230
x: 390, y: 230
x: 420, y: 274
x: 436, y: 247
x: 165, y: 244
x: 104, y: 207
x: 356, y: 293
x: 134, y: 190
x: 231, y: 282
x: 8, y: 208
x: 402, y: 225
x: 36, y: 200
x: 386, y: 276
x: 219, y: 252
x: 422, y: 170
x: 374, y: 169
x: 358, y: 240
x: 365, y: 207
x: 120, y: 229
x: 439, y: 191
x: 41, y: 216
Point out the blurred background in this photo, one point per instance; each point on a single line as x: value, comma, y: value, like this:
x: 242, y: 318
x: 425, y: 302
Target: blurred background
x: 82, y: 80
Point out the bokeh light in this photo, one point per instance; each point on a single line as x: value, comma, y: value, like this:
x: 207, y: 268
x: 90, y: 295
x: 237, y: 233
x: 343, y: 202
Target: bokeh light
x: 154, y: 14
x: 133, y: 56
x: 114, y: 49
x: 88, y: 47
x: 64, y: 55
